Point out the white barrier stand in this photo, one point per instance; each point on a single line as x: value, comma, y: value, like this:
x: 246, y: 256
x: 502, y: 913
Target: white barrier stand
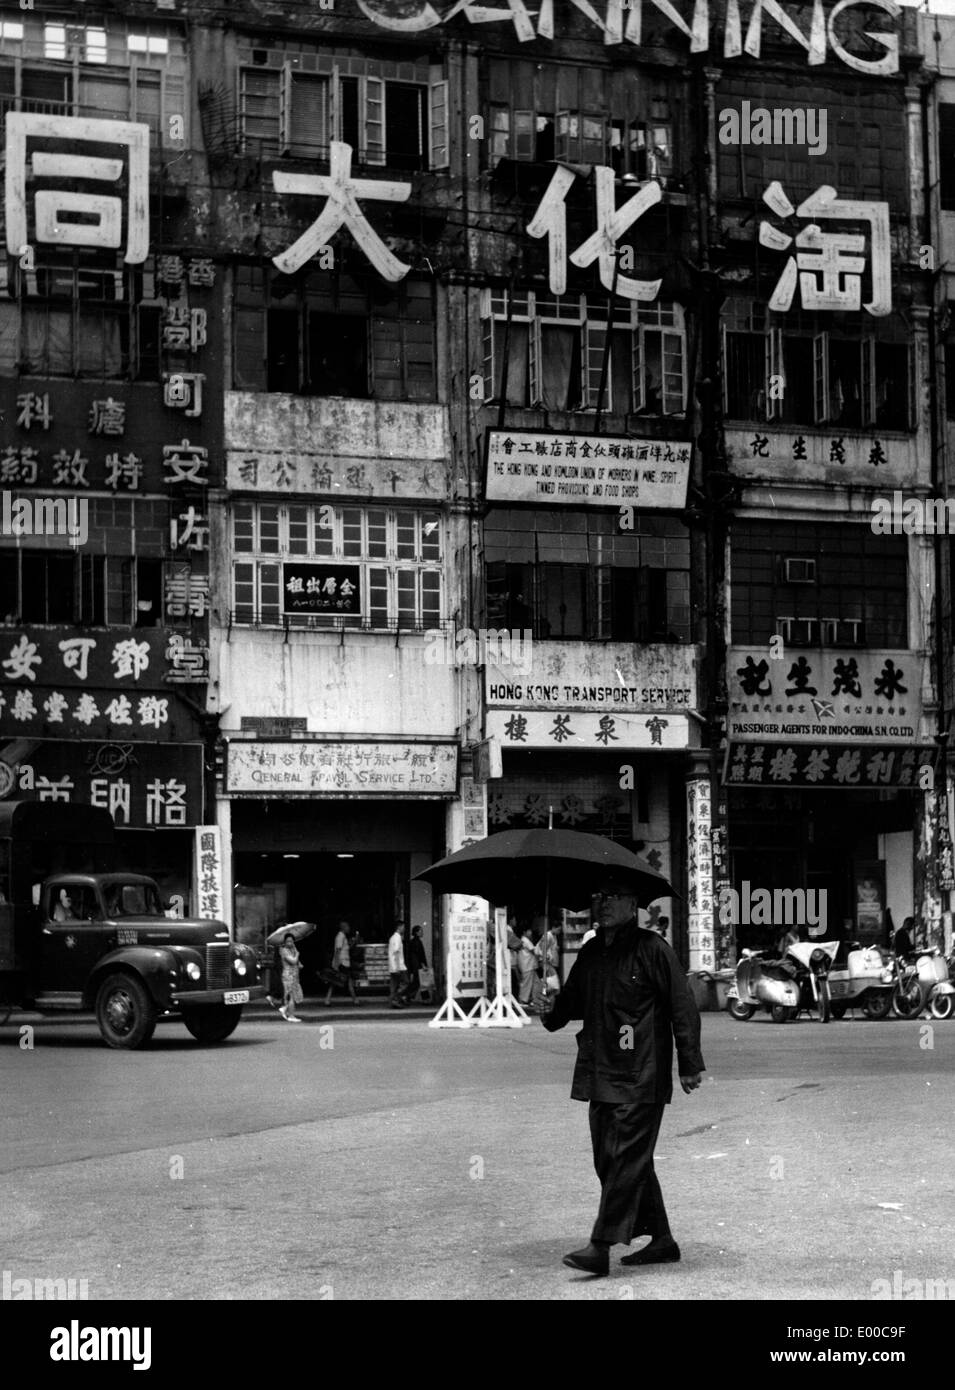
x: 503, y: 1011
x: 450, y: 1014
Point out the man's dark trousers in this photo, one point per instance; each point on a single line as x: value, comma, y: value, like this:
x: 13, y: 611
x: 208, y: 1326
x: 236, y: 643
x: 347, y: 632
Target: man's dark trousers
x: 631, y: 1203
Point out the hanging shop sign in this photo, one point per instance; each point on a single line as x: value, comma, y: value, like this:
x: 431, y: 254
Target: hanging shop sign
x: 608, y: 677
x: 142, y: 785
x: 326, y: 589
x: 828, y: 765
x: 385, y: 769
x: 209, y: 892
x: 580, y: 470
x: 839, y: 695
x: 622, y: 21
x: 576, y: 731
x: 699, y: 874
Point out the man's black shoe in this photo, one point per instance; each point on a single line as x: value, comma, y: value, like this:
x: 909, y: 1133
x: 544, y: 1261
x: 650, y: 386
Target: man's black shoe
x: 656, y: 1253
x: 591, y: 1261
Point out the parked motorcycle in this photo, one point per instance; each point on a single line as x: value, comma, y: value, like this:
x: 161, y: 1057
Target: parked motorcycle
x: 814, y: 961
x: 924, y: 983
x: 866, y: 980
x: 762, y: 982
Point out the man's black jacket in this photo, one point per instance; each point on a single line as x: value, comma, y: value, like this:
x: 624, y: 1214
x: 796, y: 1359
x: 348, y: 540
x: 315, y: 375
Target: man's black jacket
x: 633, y: 999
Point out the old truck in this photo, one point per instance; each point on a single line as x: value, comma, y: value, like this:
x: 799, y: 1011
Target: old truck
x: 78, y: 934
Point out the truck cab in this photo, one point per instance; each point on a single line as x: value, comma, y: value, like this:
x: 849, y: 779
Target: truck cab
x: 98, y: 938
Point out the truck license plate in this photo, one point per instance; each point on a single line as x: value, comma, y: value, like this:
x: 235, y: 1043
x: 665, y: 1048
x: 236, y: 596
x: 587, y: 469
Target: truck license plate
x: 236, y: 996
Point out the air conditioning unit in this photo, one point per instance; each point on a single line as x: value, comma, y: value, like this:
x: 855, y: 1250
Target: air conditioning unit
x: 799, y: 571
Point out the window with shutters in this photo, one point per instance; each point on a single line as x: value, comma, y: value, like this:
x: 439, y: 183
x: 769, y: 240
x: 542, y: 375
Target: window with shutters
x: 50, y: 586
x: 294, y: 101
x: 573, y: 575
x: 539, y: 112
x: 97, y: 72
x: 797, y: 370
x: 325, y: 333
x: 556, y: 353
x: 89, y: 316
x: 398, y: 552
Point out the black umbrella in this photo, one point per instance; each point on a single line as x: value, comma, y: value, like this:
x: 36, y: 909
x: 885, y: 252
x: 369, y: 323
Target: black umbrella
x: 562, y: 866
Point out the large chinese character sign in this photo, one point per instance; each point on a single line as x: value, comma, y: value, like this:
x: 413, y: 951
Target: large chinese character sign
x: 56, y: 209
x: 828, y: 266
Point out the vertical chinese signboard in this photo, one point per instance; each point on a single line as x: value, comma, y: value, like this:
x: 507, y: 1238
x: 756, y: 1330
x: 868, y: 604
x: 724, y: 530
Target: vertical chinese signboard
x: 208, y: 894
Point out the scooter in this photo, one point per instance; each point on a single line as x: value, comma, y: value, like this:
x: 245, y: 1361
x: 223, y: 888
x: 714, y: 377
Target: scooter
x: 923, y: 982
x: 814, y: 960
x: 762, y: 982
x: 866, y: 980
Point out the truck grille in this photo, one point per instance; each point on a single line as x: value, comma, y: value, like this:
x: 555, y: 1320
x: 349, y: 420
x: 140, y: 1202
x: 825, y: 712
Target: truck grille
x: 218, y: 966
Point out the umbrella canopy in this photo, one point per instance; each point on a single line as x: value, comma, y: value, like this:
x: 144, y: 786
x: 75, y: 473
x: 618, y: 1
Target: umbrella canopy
x: 297, y: 929
x: 566, y: 864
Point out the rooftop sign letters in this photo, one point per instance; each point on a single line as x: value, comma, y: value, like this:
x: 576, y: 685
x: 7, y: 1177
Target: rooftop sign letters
x: 621, y: 21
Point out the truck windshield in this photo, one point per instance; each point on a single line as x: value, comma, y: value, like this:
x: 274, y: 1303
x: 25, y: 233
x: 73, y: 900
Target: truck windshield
x: 132, y: 900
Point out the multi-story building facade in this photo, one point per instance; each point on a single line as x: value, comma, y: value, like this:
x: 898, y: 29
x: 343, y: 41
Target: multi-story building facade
x: 111, y: 409
x: 454, y: 382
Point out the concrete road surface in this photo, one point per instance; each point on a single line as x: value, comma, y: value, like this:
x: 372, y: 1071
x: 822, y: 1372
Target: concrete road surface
x: 367, y: 1158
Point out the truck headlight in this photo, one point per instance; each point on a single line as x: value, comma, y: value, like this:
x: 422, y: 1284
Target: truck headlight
x: 192, y: 970
x: 886, y: 977
x: 240, y: 968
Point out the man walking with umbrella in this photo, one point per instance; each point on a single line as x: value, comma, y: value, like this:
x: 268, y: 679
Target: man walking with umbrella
x: 630, y: 990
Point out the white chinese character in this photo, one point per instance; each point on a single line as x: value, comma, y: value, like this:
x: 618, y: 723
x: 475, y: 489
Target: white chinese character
x: 550, y: 220
x: 55, y: 706
x: 186, y: 462
x: 50, y: 204
x: 187, y: 594
x: 131, y: 658
x: 86, y: 710
x: 330, y: 585
x: 183, y: 391
x: 828, y: 272
x: 295, y: 585
x: 165, y: 803
x: 33, y: 410
x: 76, y: 651
x: 48, y: 790
x: 169, y: 269
x: 107, y: 417
x: 118, y: 711
x: 347, y: 588
x: 188, y: 530
x: 189, y: 663
x: 184, y: 330
x: 153, y: 711
x: 111, y: 796
x: 23, y: 706
x: 23, y: 657
x: 202, y: 272
x: 127, y: 470
x: 69, y: 469
x: 341, y: 210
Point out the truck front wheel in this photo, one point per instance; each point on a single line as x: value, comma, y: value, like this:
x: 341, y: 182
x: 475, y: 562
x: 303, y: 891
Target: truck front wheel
x: 124, y: 1011
x: 213, y: 1023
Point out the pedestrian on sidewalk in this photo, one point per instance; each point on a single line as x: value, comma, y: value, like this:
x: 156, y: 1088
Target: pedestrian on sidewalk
x: 417, y: 961
x: 341, y: 964
x: 397, y: 971
x: 526, y: 966
x: 546, y: 977
x: 630, y: 989
x: 291, y: 988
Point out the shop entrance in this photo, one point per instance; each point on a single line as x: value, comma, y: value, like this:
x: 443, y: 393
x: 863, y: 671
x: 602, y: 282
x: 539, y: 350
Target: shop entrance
x: 367, y: 890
